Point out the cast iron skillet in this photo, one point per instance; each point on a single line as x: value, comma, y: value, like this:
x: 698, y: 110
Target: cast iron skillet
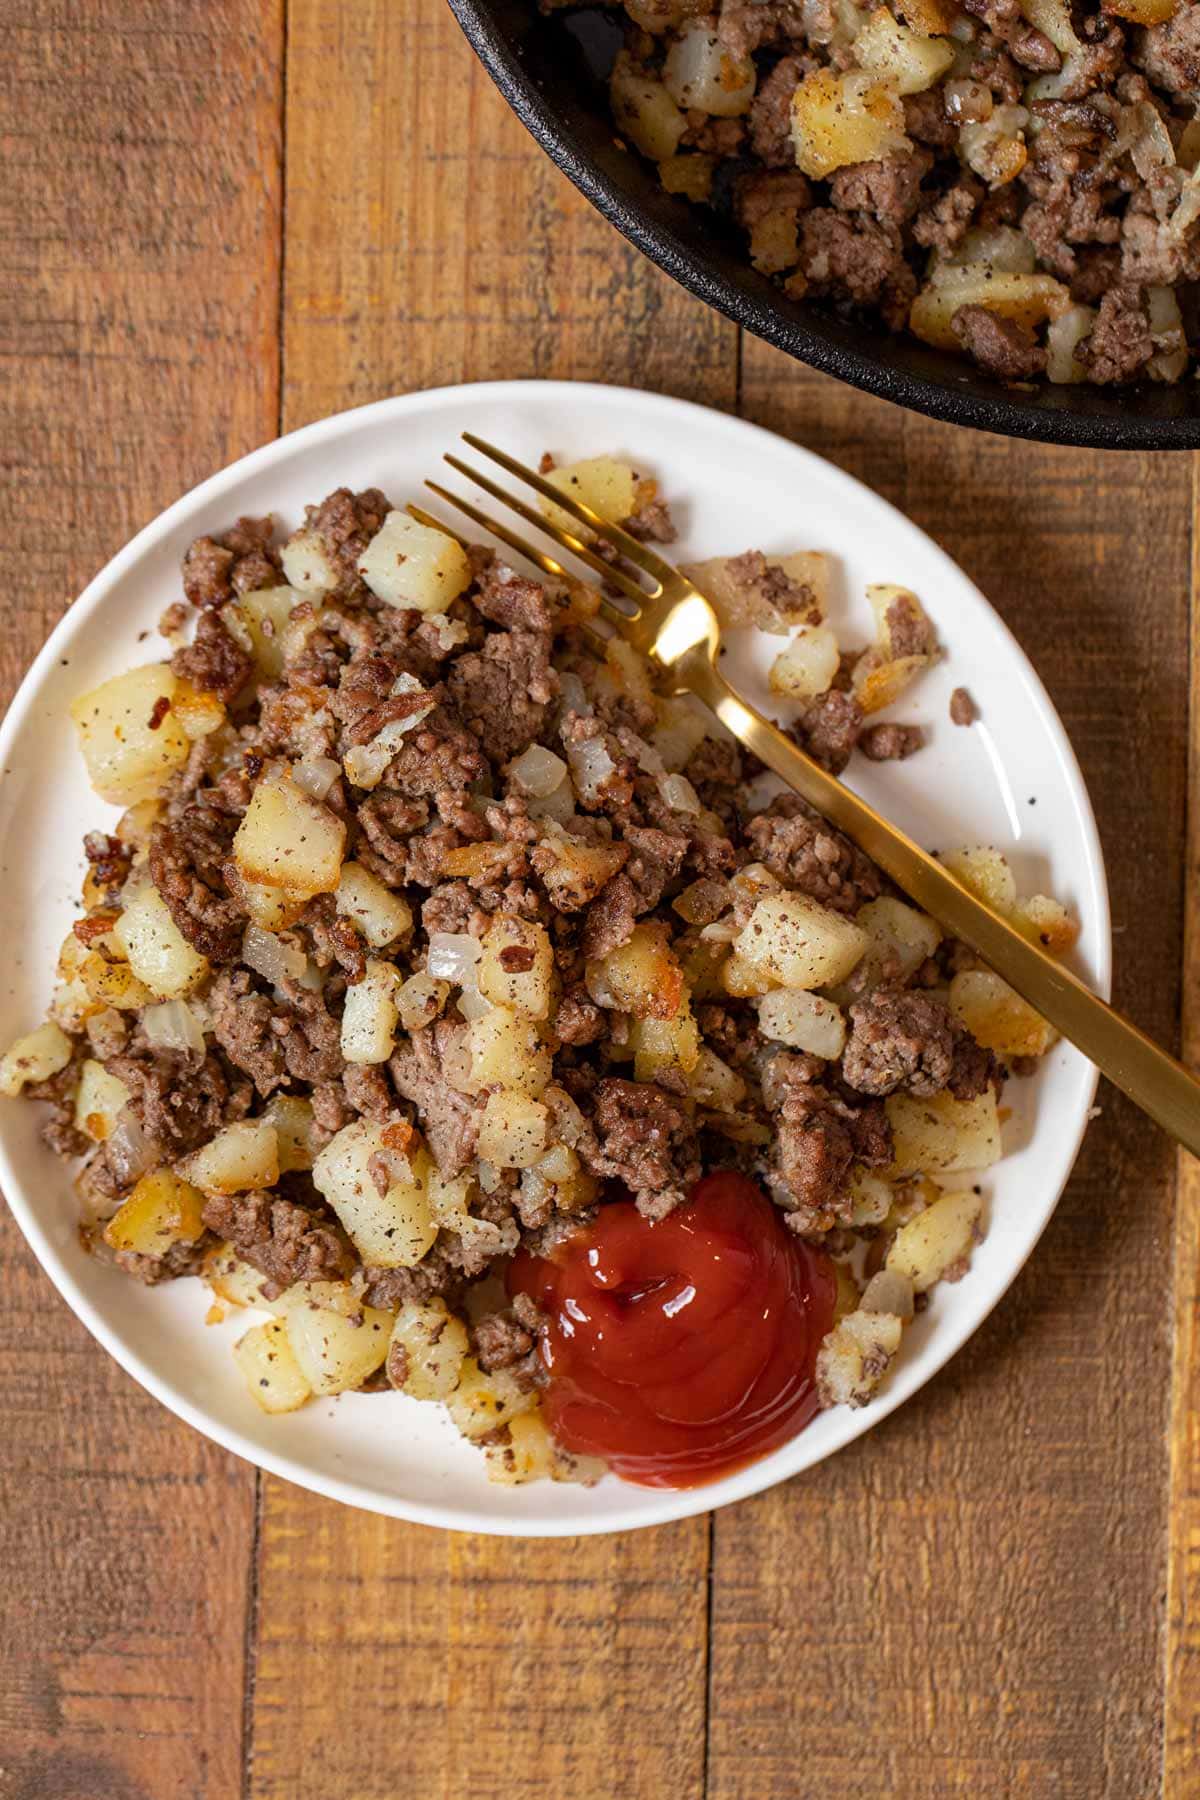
x: 551, y: 72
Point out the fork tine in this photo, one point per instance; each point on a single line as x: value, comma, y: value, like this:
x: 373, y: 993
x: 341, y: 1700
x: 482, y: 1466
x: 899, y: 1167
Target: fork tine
x: 538, y: 558
x: 565, y: 538
x: 622, y: 540
x: 427, y: 518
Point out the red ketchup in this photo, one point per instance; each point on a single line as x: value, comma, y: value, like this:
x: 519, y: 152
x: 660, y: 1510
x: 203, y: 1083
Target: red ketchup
x: 681, y: 1350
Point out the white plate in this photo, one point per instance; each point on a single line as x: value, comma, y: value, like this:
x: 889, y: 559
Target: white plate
x: 1011, y: 780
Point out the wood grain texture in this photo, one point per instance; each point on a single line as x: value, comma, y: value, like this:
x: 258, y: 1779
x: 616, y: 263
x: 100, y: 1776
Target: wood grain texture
x: 1181, y: 1747
x: 430, y: 241
x: 139, y: 272
x: 974, y: 1592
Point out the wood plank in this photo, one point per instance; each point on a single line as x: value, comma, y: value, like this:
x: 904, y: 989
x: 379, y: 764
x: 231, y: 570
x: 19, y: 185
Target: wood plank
x: 429, y: 241
x: 1181, y: 1741
x: 969, y: 1600
x: 475, y: 1666
x: 139, y: 274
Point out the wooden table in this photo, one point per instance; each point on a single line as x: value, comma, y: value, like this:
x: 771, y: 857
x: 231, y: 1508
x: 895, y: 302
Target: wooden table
x: 220, y: 222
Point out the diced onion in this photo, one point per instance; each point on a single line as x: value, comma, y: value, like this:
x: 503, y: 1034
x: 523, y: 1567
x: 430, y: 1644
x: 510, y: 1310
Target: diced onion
x: 453, y: 956
x: 679, y: 794
x: 537, y: 771
x: 173, y: 1026
x: 591, y: 767
x: 489, y: 1177
x: 130, y: 1152
x: 316, y: 775
x: 574, y: 695
x: 471, y: 1003
x: 269, y: 957
x: 648, y: 759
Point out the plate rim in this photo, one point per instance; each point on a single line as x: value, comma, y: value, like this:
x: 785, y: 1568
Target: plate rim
x: 648, y: 1507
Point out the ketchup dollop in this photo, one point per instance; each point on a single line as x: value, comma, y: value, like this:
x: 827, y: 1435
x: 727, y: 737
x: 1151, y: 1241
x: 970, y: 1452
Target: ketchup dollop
x: 679, y: 1350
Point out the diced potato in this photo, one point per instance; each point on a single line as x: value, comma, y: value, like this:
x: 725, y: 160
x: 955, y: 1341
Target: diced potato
x: 808, y: 666
x: 630, y: 671
x: 744, y: 979
x: 908, y: 61
x: 856, y: 1356
x: 130, y: 739
x: 602, y: 483
x: 529, y: 1454
x: 736, y: 602
x: 878, y: 684
x: 270, y: 1369
x: 665, y: 1043
x: 928, y: 17
x: 901, y: 939
x: 292, y: 1118
x: 370, y: 1014
x: 985, y: 871
x: 507, y: 1052
x: 481, y: 1403
x: 560, y: 1178
x: 1043, y: 921
x: 113, y: 983
x: 714, y: 1084
x: 872, y: 1198
x: 233, y: 1280
x: 162, y: 1210
x: 337, y: 1341
x: 775, y: 242
x: 803, y: 1021
x: 288, y: 840
x: 199, y: 714
x: 1000, y: 247
x: 642, y: 977
x: 994, y: 148
x: 998, y: 1018
x: 427, y: 1350
x: 245, y: 1155
x: 420, y: 1000
x: 700, y: 75
x: 265, y: 615
x: 156, y: 949
x: 413, y: 566
x: 99, y: 1102
x: 942, y: 1135
x: 902, y: 626
x: 939, y: 1241
x: 1142, y: 12
x: 512, y: 1132
x: 840, y: 119
x: 71, y: 1005
x: 645, y: 113
x: 381, y: 915
x: 1026, y: 299
x: 35, y: 1057
x: 691, y: 175
x: 800, y: 943
x: 516, y: 967
x: 308, y: 565
x: 273, y: 908
x: 574, y: 873
x: 390, y: 1230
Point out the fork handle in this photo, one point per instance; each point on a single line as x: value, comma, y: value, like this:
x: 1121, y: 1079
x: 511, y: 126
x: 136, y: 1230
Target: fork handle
x: 1156, y: 1082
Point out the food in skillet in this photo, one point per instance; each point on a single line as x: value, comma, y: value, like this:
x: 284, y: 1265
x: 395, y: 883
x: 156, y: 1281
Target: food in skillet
x: 1013, y: 179
x: 465, y: 1007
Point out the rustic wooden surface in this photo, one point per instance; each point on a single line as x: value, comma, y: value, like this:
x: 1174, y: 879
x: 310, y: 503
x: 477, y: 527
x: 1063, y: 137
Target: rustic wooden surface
x: 216, y: 223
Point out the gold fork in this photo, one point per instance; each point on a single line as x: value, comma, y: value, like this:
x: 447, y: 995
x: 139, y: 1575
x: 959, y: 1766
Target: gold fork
x: 671, y: 622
